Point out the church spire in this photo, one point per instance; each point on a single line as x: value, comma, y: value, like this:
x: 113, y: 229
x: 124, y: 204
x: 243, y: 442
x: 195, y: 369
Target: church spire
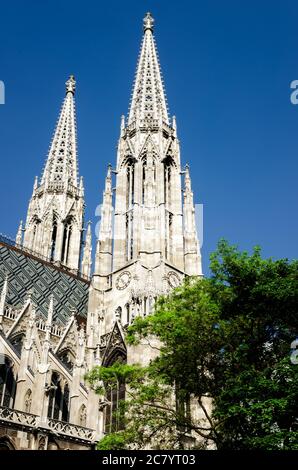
x: 3, y: 300
x: 19, y: 237
x: 87, y: 260
x: 192, y: 255
x: 148, y: 98
x: 61, y: 166
x: 55, y: 214
x: 103, y: 258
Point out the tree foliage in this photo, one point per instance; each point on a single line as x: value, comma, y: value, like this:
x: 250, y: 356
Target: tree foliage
x: 225, y: 340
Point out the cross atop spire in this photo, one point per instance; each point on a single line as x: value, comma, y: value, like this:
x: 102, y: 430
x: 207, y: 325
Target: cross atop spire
x: 148, y: 98
x: 70, y: 85
x: 148, y: 21
x: 61, y: 165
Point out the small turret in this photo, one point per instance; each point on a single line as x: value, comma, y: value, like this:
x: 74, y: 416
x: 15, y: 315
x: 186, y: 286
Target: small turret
x: 87, y: 259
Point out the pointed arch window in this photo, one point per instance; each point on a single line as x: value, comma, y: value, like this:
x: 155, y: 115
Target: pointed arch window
x: 66, y: 243
x: 148, y: 181
x: 168, y: 189
x: 58, y: 398
x: 5, y: 444
x: 118, y: 313
x: 130, y: 183
x: 35, y: 226
x: 17, y: 342
x: 127, y: 306
x: 7, y: 382
x: 53, y: 238
x: 168, y: 168
x: 130, y: 176
x: 67, y: 358
x: 115, y: 394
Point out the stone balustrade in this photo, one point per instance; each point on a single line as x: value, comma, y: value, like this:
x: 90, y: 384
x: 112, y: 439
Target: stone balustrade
x: 28, y: 420
x: 71, y: 430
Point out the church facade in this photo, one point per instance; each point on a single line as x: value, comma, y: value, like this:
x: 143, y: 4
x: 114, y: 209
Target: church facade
x: 58, y: 316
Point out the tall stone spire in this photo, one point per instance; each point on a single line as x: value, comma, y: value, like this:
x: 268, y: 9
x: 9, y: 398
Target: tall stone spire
x: 153, y: 246
x: 148, y: 97
x: 103, y: 259
x: 19, y: 236
x: 61, y: 165
x: 3, y: 296
x: 192, y: 255
x: 54, y: 221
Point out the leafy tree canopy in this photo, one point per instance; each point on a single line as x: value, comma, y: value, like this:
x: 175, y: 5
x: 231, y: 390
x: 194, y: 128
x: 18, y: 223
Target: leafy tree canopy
x: 225, y: 341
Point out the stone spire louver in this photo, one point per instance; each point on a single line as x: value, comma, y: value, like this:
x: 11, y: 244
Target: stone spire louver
x: 54, y: 221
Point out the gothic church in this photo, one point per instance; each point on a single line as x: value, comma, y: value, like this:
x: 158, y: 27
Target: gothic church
x: 58, y: 316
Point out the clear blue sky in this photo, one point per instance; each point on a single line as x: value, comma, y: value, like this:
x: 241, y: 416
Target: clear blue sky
x: 227, y: 67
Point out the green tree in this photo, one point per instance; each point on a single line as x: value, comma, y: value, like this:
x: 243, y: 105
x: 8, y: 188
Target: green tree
x: 225, y: 339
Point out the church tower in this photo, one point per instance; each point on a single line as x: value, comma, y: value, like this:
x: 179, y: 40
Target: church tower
x: 54, y: 221
x: 148, y: 239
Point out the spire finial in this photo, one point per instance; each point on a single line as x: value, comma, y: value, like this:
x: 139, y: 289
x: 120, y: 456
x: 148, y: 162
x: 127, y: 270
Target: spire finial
x: 19, y: 236
x: 70, y: 85
x: 148, y: 22
x: 50, y: 310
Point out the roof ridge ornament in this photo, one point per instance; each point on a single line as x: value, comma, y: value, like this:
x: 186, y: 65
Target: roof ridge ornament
x: 148, y: 22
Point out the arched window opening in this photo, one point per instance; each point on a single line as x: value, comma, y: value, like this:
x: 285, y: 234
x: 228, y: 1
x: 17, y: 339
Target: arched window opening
x: 67, y: 232
x: 167, y: 180
x: 5, y: 444
x: 130, y: 177
x: 118, y: 313
x: 129, y: 235
x: 130, y: 183
x: 127, y: 313
x: 169, y: 235
x: 7, y: 382
x: 143, y: 181
x: 65, y: 403
x: 67, y: 358
x: 34, y: 233
x: 58, y: 398
x: 83, y: 416
x: 183, y: 409
x: 115, y: 394
x: 28, y: 401
x: 53, y: 239
x: 148, y: 181
x: 17, y: 342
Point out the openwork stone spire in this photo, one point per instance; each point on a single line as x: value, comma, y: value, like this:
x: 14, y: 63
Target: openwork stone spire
x: 61, y: 165
x: 54, y: 222
x: 148, y: 98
